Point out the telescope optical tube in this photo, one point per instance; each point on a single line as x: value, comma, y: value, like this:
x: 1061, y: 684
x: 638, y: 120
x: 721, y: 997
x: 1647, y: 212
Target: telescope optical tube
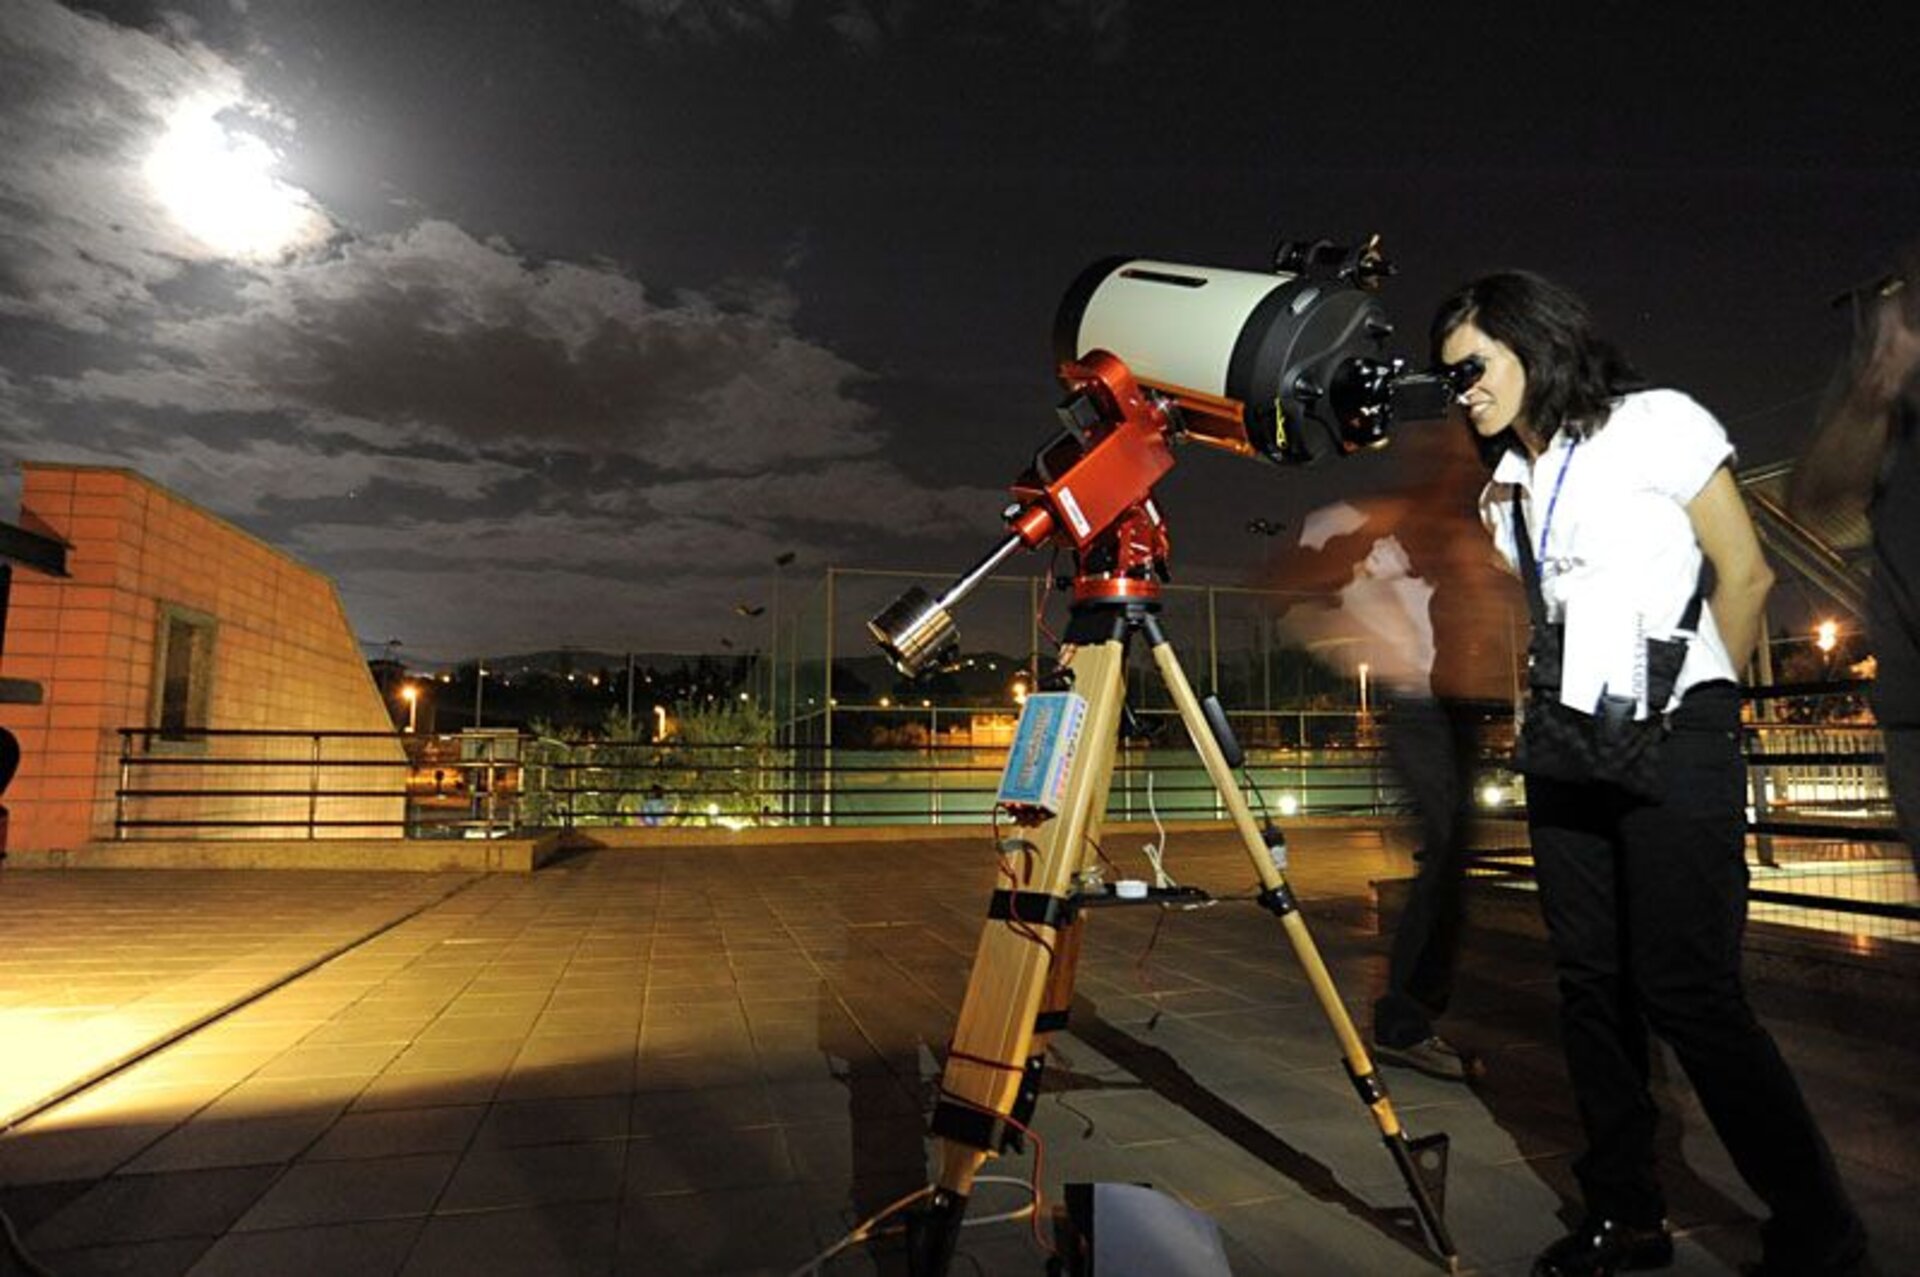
x: 1257, y: 364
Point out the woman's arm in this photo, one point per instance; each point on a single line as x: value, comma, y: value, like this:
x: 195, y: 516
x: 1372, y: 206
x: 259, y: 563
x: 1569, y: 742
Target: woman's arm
x: 1741, y: 575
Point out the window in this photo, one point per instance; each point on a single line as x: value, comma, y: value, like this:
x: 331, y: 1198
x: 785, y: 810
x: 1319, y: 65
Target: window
x: 183, y: 672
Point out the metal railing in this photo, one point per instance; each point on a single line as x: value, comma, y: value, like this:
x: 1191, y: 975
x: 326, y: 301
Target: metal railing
x: 1819, y: 814
x: 215, y: 783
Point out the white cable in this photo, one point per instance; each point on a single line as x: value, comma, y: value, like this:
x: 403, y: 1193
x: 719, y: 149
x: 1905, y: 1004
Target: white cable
x: 863, y: 1231
x: 19, y: 1250
x: 1156, y: 850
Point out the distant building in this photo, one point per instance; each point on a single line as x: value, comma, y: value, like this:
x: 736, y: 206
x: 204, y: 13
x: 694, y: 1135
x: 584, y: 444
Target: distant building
x: 176, y: 622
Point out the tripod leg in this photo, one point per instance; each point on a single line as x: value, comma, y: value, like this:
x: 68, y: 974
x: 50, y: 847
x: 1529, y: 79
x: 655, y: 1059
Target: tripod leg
x: 1425, y: 1188
x: 1022, y: 967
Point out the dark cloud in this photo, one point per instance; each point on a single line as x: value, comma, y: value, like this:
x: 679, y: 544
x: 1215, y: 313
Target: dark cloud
x: 409, y: 406
x: 868, y: 27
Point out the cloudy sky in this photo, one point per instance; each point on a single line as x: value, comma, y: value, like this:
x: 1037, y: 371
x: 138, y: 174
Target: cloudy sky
x: 544, y: 322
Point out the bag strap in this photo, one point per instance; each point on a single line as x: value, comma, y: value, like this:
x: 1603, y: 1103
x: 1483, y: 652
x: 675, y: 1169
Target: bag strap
x: 1530, y: 575
x: 1529, y: 570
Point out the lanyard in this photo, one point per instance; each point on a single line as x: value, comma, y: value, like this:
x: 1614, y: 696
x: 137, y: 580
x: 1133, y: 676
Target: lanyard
x: 1546, y: 526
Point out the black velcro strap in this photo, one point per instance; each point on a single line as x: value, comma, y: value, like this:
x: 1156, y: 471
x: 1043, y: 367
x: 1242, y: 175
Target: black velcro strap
x: 970, y: 1126
x: 1036, y: 908
x: 1050, y: 1021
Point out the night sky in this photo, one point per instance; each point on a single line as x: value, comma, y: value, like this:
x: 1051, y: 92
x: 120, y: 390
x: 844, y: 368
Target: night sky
x: 555, y: 322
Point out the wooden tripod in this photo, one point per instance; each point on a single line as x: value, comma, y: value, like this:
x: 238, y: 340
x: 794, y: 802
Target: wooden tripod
x: 1023, y: 970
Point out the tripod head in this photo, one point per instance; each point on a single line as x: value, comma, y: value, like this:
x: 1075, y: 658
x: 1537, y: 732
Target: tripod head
x: 1287, y: 367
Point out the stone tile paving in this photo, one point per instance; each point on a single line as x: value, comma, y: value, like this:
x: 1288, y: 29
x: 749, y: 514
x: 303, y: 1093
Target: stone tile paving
x: 708, y: 1061
x: 98, y: 966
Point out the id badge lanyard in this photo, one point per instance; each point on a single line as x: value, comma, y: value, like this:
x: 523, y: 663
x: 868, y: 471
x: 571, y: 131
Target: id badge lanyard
x: 1553, y: 503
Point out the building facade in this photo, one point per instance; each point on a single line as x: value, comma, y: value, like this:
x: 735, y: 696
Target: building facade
x: 179, y: 626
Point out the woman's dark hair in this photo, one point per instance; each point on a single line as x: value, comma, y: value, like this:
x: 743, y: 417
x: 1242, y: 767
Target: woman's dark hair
x: 1573, y: 376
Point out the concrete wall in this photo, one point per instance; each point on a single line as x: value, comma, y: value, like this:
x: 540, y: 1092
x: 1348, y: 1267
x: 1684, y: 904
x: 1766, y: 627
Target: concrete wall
x: 282, y: 656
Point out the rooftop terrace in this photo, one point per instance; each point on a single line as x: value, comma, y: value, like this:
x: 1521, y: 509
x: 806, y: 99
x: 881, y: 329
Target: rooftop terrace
x: 714, y: 1059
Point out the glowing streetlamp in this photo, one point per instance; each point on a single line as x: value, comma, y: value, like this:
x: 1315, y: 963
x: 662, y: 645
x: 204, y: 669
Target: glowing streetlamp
x: 1020, y: 691
x: 1826, y: 635
x: 1365, y: 670
x: 659, y: 722
x: 411, y: 695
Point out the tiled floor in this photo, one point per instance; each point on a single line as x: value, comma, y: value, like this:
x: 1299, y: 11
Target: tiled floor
x: 704, y: 1061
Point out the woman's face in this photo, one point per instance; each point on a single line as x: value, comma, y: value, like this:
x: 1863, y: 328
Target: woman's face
x: 1493, y: 402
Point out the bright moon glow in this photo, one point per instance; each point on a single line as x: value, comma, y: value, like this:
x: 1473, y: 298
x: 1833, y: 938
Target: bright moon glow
x: 219, y: 185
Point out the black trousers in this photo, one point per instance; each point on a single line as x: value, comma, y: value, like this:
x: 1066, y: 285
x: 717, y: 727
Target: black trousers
x: 1432, y: 743
x: 1645, y: 904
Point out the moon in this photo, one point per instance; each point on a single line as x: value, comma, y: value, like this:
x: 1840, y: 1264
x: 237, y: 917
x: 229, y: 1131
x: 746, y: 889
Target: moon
x: 219, y: 185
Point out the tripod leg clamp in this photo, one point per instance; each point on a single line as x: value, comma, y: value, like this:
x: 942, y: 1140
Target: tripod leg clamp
x: 1024, y: 1103
x: 1279, y: 901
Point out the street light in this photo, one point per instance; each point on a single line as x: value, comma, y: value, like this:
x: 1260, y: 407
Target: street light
x: 780, y: 562
x: 411, y: 695
x: 1826, y: 635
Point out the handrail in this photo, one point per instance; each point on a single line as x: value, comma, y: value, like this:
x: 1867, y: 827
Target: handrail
x: 515, y: 780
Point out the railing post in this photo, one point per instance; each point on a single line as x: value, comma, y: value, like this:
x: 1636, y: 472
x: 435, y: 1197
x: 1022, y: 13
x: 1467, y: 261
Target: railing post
x: 313, y: 790
x: 493, y: 787
x: 826, y: 774
x: 933, y: 765
x: 1759, y: 783
x: 126, y: 780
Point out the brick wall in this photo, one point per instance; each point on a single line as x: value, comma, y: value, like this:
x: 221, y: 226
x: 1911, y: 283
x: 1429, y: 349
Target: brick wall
x: 283, y: 656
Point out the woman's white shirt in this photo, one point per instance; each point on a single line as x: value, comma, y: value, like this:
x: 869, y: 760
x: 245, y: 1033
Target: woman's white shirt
x: 1618, y: 560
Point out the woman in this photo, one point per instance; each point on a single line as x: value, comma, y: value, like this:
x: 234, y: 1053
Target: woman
x: 1624, y: 490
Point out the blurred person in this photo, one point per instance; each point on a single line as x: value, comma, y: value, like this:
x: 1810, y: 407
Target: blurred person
x: 655, y: 808
x: 1624, y: 490
x: 1864, y: 459
x: 1419, y: 598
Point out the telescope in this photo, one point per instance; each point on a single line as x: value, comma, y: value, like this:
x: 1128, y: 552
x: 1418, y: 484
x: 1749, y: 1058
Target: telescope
x: 1287, y: 366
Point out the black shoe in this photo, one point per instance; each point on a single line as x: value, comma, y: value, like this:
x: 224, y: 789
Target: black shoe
x: 1433, y: 1056
x: 1602, y: 1247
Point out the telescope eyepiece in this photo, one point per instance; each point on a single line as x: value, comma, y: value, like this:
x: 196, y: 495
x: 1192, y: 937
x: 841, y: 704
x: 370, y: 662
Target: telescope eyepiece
x: 1464, y: 375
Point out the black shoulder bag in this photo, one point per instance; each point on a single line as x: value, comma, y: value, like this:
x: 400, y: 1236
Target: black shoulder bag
x: 1609, y: 746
